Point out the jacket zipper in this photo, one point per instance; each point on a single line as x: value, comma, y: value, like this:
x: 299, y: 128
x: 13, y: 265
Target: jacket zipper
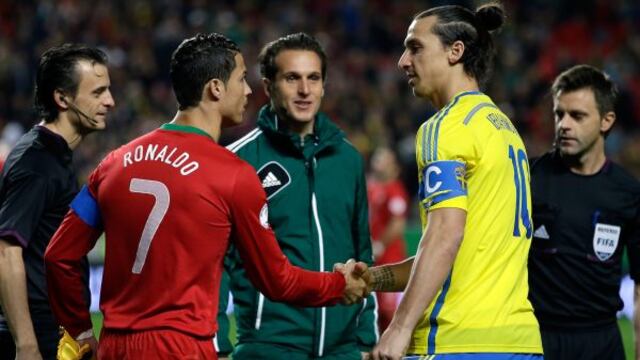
x: 323, y: 311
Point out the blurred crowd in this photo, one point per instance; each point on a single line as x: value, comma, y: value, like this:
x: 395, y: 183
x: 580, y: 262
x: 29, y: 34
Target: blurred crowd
x: 365, y: 94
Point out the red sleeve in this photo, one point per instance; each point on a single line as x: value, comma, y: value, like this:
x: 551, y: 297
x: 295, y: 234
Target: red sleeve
x: 266, y: 266
x: 69, y: 245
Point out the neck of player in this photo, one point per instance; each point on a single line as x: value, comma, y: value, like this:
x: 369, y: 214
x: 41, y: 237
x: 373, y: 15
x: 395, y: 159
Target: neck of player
x: 457, y: 83
x: 207, y: 121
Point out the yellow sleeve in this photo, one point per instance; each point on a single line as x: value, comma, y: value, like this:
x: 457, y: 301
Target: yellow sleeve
x: 446, y: 157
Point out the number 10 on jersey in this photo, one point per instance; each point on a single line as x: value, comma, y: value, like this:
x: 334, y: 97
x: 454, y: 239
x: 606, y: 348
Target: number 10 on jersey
x: 520, y: 166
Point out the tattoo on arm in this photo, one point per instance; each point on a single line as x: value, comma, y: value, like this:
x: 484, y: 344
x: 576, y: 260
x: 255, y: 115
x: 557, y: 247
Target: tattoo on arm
x: 382, y: 279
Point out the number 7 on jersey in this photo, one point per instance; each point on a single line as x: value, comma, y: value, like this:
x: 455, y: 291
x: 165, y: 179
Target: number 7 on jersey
x: 162, y: 199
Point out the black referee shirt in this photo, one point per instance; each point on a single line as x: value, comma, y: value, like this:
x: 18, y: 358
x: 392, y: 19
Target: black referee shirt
x: 581, y: 225
x: 38, y: 184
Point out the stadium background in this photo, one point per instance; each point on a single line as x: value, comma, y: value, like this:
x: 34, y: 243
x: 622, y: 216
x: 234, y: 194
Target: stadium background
x: 366, y: 94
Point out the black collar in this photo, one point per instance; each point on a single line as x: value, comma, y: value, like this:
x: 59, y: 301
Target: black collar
x: 55, y: 143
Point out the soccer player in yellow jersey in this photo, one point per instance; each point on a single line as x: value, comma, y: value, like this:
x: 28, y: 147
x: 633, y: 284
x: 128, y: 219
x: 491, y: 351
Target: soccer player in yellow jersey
x: 466, y: 288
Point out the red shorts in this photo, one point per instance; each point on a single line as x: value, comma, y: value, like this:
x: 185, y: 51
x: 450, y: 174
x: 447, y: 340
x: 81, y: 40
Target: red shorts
x: 153, y: 344
x: 387, y: 304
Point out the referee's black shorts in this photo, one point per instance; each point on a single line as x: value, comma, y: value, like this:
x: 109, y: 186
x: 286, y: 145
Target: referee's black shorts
x: 599, y: 343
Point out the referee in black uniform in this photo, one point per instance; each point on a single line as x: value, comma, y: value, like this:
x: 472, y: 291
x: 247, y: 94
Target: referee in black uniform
x: 586, y: 210
x: 37, y: 185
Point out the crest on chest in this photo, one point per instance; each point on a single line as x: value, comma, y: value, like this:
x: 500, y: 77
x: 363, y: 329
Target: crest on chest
x: 605, y: 240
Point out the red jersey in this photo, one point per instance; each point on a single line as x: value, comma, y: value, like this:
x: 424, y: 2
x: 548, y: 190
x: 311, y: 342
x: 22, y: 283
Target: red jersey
x: 169, y: 203
x: 387, y: 200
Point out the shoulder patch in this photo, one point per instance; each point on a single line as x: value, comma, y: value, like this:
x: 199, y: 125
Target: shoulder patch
x: 273, y: 177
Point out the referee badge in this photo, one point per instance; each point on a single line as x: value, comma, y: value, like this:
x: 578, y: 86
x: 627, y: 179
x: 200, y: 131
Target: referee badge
x: 605, y: 240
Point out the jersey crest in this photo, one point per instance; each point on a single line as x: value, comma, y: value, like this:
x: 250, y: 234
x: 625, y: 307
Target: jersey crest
x: 605, y: 240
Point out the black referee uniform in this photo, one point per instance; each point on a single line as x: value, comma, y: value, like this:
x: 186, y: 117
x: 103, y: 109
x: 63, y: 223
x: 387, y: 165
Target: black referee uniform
x: 581, y: 226
x: 36, y: 188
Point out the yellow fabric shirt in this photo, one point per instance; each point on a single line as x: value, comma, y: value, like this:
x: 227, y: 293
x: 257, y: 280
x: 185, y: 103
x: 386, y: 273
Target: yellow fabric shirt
x: 471, y: 157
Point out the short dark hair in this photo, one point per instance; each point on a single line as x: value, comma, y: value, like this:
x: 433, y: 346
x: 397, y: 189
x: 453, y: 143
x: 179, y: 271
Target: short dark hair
x: 196, y: 61
x: 57, y: 70
x: 299, y: 41
x: 586, y: 76
x: 457, y: 23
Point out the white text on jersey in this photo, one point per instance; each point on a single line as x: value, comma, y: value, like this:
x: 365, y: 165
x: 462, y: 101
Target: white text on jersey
x: 149, y: 152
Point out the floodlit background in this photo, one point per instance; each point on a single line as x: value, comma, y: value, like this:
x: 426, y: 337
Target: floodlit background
x: 365, y: 93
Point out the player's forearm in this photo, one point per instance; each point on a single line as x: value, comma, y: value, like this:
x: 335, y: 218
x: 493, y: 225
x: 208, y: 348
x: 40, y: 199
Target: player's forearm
x: 66, y: 297
x: 13, y: 294
x: 428, y: 276
x: 307, y: 288
x: 274, y: 276
x: 432, y: 265
x: 63, y: 261
x: 391, y: 277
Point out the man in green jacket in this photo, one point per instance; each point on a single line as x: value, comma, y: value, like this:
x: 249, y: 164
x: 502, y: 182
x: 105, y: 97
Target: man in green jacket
x: 316, y: 190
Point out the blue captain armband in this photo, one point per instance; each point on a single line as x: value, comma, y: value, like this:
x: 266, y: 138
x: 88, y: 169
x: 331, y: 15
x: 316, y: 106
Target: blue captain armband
x: 86, y: 207
x: 442, y: 180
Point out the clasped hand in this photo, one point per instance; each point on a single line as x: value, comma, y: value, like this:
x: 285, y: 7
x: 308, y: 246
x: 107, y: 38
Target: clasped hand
x: 357, y: 278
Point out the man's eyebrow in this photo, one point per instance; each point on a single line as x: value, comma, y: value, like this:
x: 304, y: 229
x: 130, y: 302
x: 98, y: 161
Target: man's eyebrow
x: 411, y: 42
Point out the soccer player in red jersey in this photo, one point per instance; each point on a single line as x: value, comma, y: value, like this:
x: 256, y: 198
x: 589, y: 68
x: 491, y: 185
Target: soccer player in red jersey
x: 388, y: 203
x: 169, y: 203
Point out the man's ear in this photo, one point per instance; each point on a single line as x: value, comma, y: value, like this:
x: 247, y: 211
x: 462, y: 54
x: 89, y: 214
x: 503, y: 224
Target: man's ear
x: 456, y: 50
x: 216, y: 88
x: 266, y: 85
x: 607, y: 122
x: 60, y: 99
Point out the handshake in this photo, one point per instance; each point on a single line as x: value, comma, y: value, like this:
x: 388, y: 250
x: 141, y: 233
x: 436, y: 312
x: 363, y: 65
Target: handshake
x: 358, y: 281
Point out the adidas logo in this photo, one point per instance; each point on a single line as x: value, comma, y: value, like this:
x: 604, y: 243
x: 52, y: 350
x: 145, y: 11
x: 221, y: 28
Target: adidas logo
x: 541, y: 233
x: 270, y: 180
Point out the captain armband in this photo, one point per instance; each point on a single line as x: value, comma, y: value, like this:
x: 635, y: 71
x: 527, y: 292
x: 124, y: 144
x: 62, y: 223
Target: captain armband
x: 442, y: 180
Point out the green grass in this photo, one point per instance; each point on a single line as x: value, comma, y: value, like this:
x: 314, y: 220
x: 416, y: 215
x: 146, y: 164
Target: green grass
x: 626, y: 328
x: 96, y: 319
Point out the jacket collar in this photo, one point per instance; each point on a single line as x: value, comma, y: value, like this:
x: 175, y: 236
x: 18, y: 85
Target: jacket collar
x: 325, y: 132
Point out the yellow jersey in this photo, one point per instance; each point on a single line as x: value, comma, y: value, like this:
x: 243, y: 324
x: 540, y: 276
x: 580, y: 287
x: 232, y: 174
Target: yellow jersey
x: 470, y: 156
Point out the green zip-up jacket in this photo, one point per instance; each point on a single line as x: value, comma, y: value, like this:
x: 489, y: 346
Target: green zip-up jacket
x: 317, y: 199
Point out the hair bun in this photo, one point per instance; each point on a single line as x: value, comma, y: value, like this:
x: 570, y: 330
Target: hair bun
x: 490, y: 16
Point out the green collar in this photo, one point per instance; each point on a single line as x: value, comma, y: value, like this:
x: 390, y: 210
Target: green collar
x: 323, y: 128
x: 184, y: 128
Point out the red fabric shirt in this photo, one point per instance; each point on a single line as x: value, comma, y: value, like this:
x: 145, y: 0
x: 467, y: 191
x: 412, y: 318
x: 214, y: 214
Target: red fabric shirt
x: 169, y: 203
x: 387, y: 200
